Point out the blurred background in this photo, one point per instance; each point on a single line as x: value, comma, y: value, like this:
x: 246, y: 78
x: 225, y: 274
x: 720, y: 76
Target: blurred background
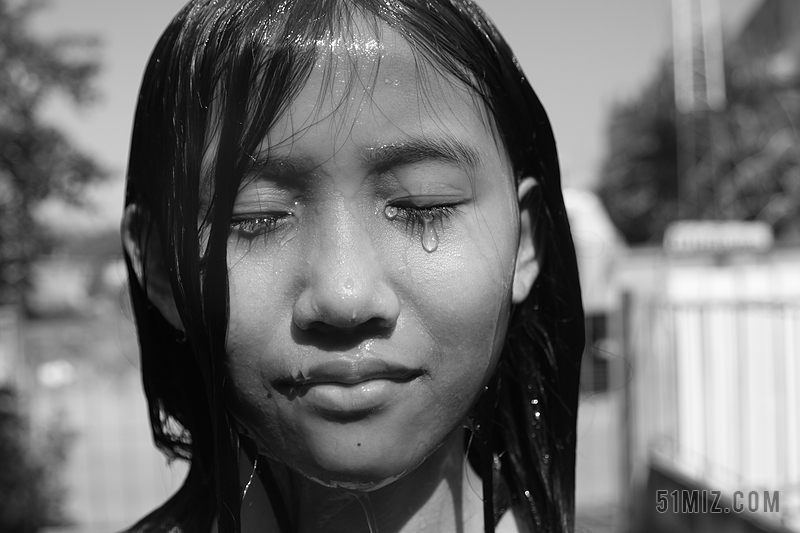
x: 676, y: 124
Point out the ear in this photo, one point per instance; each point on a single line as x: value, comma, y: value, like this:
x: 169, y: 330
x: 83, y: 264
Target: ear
x: 528, y: 254
x: 143, y: 248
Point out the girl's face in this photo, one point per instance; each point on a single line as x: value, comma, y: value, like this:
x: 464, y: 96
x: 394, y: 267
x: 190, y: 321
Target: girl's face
x: 371, y: 263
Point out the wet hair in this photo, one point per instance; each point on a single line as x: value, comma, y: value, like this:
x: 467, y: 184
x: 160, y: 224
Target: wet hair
x: 227, y: 69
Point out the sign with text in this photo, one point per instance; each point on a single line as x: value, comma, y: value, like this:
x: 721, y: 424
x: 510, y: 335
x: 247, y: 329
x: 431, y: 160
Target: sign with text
x: 717, y: 236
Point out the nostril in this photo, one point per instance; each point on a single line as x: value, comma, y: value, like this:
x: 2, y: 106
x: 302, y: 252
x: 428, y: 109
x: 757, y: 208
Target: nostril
x: 356, y: 325
x: 338, y: 337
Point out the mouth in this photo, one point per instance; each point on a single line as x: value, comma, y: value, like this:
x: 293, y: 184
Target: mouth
x: 346, y: 388
x: 345, y: 371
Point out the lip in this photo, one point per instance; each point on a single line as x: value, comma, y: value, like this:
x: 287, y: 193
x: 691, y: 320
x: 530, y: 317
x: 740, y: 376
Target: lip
x: 347, y: 371
x: 348, y: 389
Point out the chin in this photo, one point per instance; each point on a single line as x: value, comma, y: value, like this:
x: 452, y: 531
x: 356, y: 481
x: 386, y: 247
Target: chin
x: 354, y: 459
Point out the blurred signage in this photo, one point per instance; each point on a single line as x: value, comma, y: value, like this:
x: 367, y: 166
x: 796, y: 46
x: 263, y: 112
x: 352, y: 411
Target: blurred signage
x: 717, y: 236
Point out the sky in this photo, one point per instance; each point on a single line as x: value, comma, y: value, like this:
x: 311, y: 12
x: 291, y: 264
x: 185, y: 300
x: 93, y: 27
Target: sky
x: 581, y: 57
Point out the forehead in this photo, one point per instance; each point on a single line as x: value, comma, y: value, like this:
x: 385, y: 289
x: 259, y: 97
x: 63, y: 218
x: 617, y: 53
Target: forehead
x: 370, y: 80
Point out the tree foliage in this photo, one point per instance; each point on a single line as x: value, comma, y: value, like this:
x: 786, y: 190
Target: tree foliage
x: 746, y: 163
x: 36, y: 159
x: 638, y: 181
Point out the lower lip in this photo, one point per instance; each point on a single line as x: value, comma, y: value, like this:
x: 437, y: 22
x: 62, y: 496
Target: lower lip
x: 359, y: 397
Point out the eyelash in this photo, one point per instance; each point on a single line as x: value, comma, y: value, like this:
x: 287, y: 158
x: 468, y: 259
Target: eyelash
x: 415, y: 215
x: 255, y: 226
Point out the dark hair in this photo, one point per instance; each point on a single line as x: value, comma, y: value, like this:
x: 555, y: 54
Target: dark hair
x: 250, y: 58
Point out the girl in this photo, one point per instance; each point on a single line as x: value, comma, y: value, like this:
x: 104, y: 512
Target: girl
x: 352, y: 273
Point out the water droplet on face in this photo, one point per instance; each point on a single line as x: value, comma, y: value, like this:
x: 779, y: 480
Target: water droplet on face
x: 430, y: 240
x: 390, y: 212
x: 290, y: 234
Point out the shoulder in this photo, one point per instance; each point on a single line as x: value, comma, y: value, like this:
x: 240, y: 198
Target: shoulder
x: 507, y: 524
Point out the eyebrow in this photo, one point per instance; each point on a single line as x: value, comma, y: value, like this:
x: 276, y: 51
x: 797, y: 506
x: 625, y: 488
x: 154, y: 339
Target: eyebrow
x: 408, y: 152
x: 380, y: 158
x: 281, y: 169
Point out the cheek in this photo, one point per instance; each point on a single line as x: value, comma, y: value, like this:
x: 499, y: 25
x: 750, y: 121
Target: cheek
x: 460, y: 301
x: 254, y: 324
x: 467, y: 282
x: 461, y: 297
x: 253, y: 299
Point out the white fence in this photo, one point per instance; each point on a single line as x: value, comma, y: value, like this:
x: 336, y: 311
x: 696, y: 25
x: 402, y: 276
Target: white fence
x: 82, y: 377
x: 714, y: 390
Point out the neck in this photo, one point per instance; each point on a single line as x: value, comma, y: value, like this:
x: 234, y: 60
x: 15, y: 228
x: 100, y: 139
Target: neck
x: 442, y: 494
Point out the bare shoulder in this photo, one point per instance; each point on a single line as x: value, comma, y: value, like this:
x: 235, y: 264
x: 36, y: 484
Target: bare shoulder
x: 507, y: 524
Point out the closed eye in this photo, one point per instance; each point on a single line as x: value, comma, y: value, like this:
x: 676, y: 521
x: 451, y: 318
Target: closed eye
x: 249, y: 227
x: 414, y: 215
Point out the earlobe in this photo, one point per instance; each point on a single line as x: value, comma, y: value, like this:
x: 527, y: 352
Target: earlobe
x: 144, y: 252
x: 529, y: 258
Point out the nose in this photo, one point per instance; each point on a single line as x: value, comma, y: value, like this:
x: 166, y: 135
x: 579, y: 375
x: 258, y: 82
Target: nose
x: 345, y: 287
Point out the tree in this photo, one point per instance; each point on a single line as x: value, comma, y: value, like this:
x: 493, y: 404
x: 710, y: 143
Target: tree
x: 638, y: 183
x: 36, y: 159
x: 746, y: 164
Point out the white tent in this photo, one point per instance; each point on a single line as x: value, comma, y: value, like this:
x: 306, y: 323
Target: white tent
x: 598, y: 246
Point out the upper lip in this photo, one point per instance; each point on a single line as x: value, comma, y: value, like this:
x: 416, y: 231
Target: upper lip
x: 349, y: 371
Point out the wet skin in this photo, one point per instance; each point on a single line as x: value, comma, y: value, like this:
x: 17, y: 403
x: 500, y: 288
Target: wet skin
x: 353, y: 350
